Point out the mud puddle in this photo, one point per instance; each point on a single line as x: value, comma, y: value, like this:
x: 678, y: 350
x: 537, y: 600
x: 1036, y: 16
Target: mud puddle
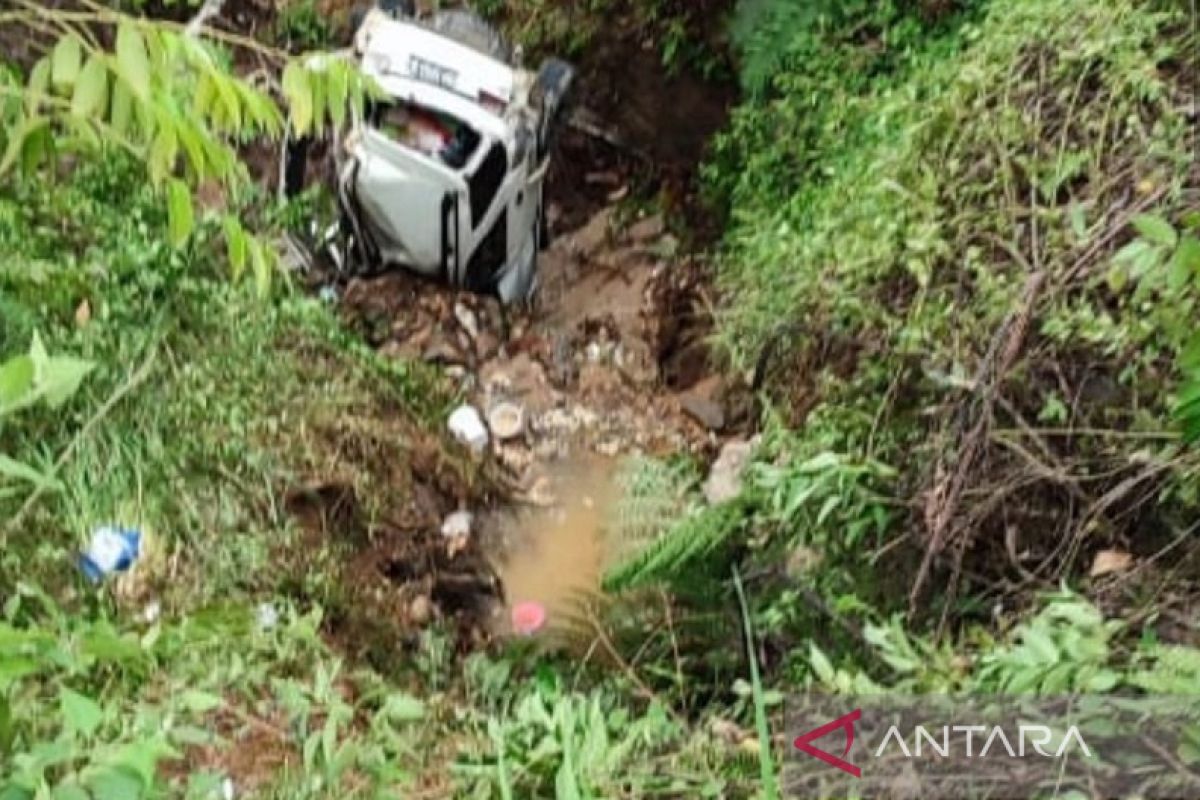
x: 555, y: 557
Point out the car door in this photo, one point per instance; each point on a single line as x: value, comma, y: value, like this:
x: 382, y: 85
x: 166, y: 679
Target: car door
x: 411, y: 200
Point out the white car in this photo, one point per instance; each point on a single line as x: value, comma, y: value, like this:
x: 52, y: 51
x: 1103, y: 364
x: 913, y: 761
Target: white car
x: 447, y: 176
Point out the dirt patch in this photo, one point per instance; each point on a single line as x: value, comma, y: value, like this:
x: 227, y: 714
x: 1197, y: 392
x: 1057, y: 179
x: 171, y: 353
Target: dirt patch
x: 611, y: 363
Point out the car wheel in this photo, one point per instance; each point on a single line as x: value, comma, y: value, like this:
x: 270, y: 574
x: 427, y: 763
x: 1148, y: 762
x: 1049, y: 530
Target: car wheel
x: 467, y: 27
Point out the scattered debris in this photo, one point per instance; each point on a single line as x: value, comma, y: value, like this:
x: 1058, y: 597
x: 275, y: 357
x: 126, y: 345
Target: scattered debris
x: 725, y: 478
x: 267, y: 615
x: 506, y: 420
x: 468, y: 428
x: 110, y: 550
x: 151, y: 612
x: 528, y: 617
x: 420, y: 610
x: 727, y: 730
x: 467, y: 319
x: 542, y: 492
x: 703, y: 402
x: 457, y: 524
x: 1109, y: 561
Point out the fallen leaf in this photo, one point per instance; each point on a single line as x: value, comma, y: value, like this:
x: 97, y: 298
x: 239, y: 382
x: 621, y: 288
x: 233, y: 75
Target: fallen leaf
x: 83, y: 313
x: 1107, y: 561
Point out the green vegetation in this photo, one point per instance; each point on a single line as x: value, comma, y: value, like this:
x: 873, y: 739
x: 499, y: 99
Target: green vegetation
x: 966, y: 234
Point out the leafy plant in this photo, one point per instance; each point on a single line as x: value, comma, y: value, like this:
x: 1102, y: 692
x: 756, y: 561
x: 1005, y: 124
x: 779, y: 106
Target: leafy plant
x: 172, y: 100
x: 26, y: 380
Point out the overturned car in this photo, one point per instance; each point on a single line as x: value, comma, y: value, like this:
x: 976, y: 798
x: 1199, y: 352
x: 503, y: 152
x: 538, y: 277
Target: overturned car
x: 446, y: 175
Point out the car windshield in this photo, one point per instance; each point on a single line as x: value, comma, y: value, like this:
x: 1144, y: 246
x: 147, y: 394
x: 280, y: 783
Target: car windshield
x: 434, y: 134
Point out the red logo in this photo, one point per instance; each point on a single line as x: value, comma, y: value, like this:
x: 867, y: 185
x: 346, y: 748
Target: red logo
x: 845, y: 721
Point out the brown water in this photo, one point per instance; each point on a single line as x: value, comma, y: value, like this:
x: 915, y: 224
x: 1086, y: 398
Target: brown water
x: 557, y: 555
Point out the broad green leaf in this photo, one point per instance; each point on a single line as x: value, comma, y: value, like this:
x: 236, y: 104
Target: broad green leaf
x: 339, y: 85
x: 60, y: 378
x: 70, y: 791
x: 91, y: 90
x: 163, y: 151
x: 67, y: 59
x: 260, y: 262
x: 1155, y: 229
x: 13, y: 668
x: 132, y: 61
x: 316, y: 82
x: 401, y: 707
x: 1185, y: 262
x: 299, y: 97
x: 1041, y: 645
x: 39, y: 84
x: 191, y: 139
x: 820, y: 663
x: 16, y: 470
x: 565, y: 785
x: 80, y: 713
x: 1189, y: 359
x: 121, y: 111
x: 230, y: 103
x: 205, y: 93
x: 115, y: 783
x: 20, y: 140
x: 235, y: 244
x: 16, y: 381
x: 180, y: 217
x: 1078, y: 222
x: 200, y: 702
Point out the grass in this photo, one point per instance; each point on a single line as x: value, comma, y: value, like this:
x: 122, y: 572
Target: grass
x: 207, y: 406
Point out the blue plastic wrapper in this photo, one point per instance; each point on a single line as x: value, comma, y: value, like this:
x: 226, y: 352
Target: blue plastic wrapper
x: 111, y: 550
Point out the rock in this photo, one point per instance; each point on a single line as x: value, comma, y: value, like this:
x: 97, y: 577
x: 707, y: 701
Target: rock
x: 542, y: 492
x: 441, y: 350
x: 467, y: 319
x: 647, y: 230
x: 487, y: 345
x: 467, y: 426
x: 704, y: 410
x: 701, y: 403
x: 506, y: 420
x: 1107, y: 561
x: 457, y: 524
x: 420, y: 610
x: 725, y: 478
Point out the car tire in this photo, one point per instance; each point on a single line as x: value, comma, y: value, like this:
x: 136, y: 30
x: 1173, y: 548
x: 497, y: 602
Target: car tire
x: 468, y: 28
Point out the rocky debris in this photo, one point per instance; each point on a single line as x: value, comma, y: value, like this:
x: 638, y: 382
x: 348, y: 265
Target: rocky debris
x: 647, y: 230
x: 467, y: 319
x: 724, y: 480
x: 420, y: 610
x: 468, y: 428
x: 703, y: 403
x: 1108, y: 561
x: 457, y: 524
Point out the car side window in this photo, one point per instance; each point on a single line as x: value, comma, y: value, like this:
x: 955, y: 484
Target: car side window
x: 486, y: 181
